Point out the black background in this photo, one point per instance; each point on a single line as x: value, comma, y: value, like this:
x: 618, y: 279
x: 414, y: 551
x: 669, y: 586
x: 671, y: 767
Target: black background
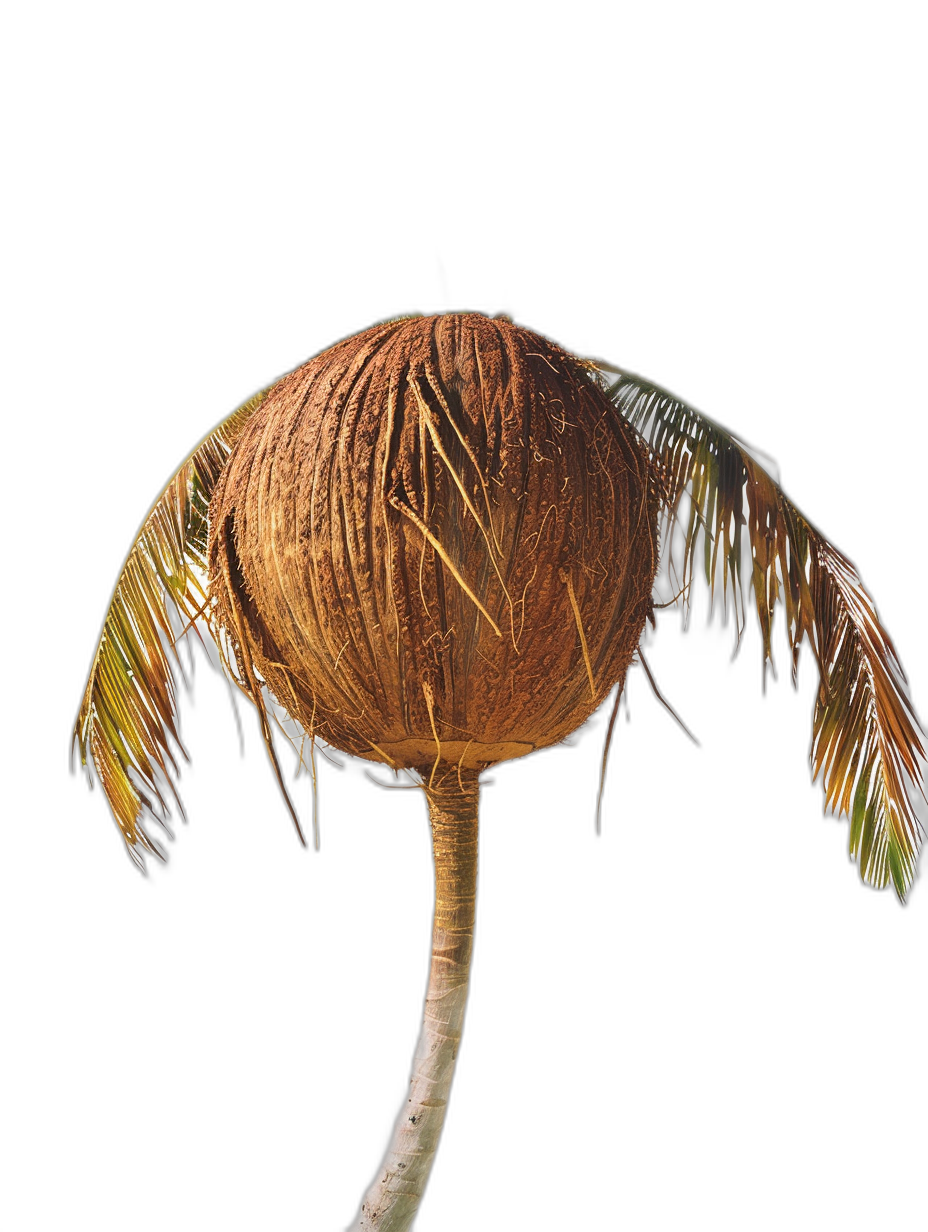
x: 240, y: 1023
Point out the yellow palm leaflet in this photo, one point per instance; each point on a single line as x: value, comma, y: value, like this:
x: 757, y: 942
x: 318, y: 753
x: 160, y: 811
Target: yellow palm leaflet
x: 127, y: 719
x: 867, y: 742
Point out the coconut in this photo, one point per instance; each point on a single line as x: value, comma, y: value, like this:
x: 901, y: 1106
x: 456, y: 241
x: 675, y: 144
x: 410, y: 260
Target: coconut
x: 435, y: 542
x: 434, y: 545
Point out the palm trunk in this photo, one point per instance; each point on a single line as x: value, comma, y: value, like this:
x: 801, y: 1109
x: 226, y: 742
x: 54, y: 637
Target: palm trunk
x: 391, y: 1203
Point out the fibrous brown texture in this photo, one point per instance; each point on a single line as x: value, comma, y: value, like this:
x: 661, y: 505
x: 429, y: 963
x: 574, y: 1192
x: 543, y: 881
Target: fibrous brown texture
x: 435, y: 543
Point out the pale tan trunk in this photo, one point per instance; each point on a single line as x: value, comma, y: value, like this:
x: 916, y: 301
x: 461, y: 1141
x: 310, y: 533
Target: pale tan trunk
x: 391, y: 1203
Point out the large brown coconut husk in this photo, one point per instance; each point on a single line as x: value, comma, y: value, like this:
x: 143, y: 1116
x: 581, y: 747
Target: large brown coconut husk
x: 435, y: 542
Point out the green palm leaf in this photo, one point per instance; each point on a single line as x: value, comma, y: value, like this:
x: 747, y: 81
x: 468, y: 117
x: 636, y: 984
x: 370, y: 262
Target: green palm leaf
x: 127, y: 718
x: 867, y: 743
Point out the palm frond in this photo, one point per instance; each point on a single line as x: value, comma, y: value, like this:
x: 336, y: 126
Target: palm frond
x: 867, y: 742
x: 127, y: 718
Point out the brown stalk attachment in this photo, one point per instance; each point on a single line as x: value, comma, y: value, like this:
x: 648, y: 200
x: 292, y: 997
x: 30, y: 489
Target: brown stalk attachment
x: 392, y: 1201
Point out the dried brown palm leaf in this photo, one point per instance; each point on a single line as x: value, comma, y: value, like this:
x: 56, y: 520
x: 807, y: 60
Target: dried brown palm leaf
x: 867, y: 743
x: 127, y: 719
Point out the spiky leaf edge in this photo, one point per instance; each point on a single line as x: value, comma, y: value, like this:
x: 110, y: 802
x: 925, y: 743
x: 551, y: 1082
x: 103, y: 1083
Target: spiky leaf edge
x: 127, y: 719
x: 867, y: 741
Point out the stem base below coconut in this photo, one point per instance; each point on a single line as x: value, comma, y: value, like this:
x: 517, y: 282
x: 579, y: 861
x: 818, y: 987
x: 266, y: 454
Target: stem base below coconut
x: 391, y: 1203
